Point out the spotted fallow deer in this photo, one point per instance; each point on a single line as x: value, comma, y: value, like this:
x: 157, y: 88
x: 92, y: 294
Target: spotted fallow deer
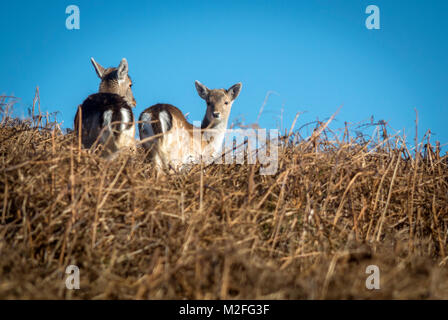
x: 106, y: 116
x: 172, y: 142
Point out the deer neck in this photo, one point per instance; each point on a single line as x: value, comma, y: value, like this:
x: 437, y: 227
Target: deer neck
x: 213, y: 134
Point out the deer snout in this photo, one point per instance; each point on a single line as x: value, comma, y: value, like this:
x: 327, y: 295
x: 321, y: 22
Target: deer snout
x: 216, y: 115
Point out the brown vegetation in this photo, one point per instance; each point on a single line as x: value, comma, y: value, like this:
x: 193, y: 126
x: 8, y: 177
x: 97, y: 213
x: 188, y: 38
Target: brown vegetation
x: 225, y: 232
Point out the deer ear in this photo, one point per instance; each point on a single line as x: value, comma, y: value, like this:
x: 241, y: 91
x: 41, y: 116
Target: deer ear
x: 98, y: 68
x: 234, y: 90
x: 123, y: 69
x: 202, y: 90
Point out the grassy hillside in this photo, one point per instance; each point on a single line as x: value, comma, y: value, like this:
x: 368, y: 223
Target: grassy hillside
x: 225, y: 232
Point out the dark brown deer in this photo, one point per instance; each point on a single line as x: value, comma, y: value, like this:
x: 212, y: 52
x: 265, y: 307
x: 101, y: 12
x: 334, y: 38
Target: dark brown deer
x: 107, y: 117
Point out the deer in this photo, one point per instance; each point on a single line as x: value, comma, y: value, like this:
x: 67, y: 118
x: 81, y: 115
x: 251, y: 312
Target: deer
x: 106, y: 117
x: 171, y: 142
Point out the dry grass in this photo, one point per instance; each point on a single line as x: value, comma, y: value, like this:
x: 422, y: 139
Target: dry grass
x: 307, y: 232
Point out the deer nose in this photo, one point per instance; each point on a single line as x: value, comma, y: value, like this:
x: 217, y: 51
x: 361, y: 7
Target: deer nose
x: 216, y: 115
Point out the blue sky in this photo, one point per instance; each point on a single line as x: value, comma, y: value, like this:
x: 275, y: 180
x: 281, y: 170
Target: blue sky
x: 316, y: 54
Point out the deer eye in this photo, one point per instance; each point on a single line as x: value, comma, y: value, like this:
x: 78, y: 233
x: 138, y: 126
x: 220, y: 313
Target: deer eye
x: 227, y: 102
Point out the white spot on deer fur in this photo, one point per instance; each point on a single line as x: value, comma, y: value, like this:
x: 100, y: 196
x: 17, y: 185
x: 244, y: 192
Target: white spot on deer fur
x: 125, y: 119
x: 127, y: 138
x: 106, y: 132
x: 146, y: 128
x: 107, y: 118
x: 165, y: 122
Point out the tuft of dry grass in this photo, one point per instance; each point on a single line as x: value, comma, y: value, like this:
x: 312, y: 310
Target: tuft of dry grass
x: 225, y: 232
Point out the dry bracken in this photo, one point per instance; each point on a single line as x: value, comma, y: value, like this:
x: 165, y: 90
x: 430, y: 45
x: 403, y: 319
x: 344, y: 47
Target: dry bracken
x: 333, y: 208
